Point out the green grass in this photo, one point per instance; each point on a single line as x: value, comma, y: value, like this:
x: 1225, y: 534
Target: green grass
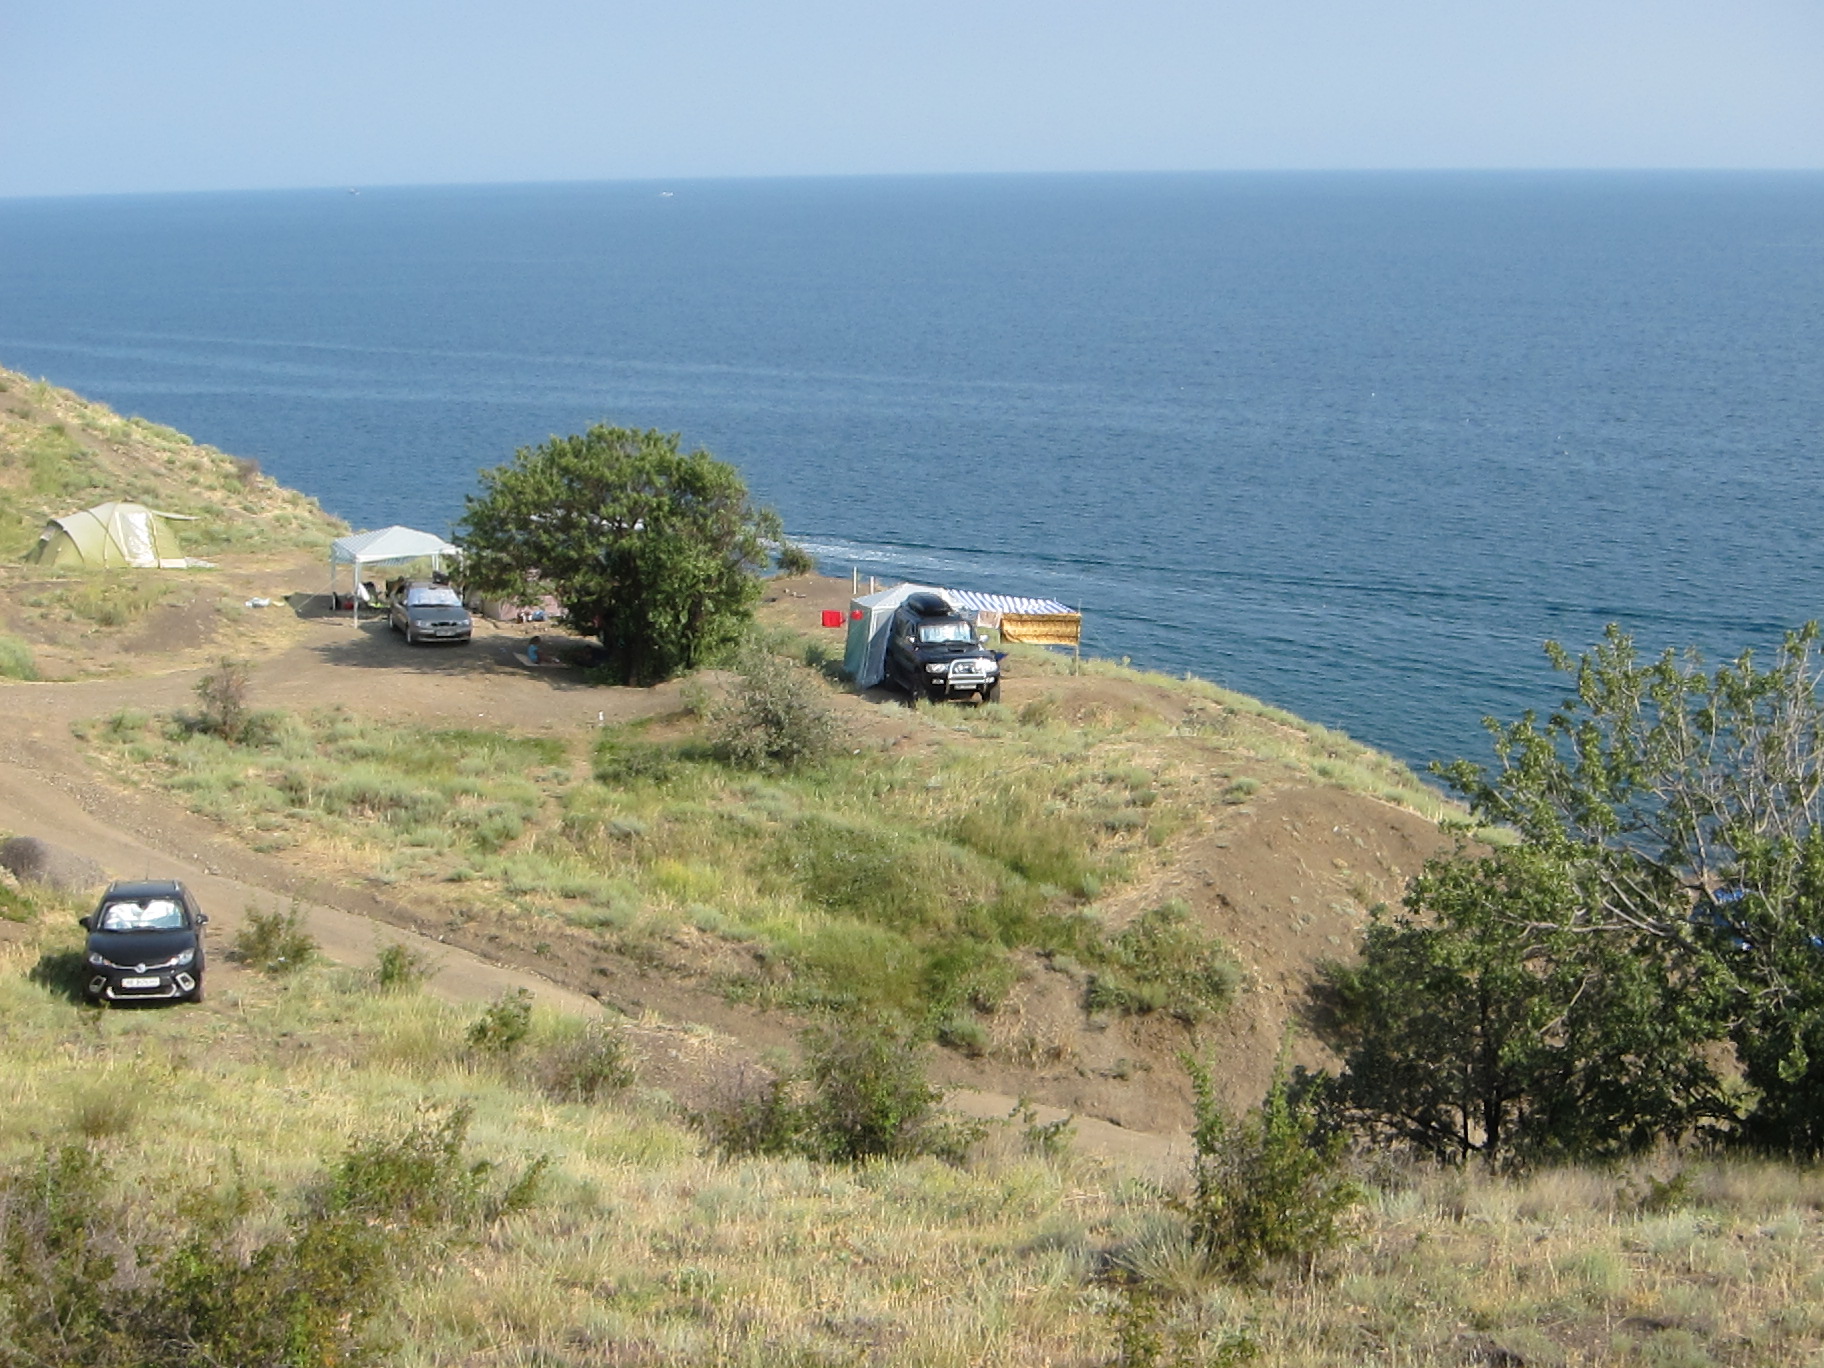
x: 641, y: 1245
x: 853, y: 883
x: 112, y: 598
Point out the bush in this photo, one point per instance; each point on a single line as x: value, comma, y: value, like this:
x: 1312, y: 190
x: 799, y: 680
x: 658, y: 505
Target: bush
x: 397, y: 967
x: 275, y: 942
x: 1269, y: 1189
x: 16, y: 659
x: 504, y: 1026
x: 776, y: 717
x: 223, y: 698
x: 861, y: 1094
x: 793, y: 559
x: 589, y: 1064
x: 421, y: 1177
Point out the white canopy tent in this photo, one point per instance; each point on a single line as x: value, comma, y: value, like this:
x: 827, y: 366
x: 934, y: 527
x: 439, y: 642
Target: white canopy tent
x: 388, y: 544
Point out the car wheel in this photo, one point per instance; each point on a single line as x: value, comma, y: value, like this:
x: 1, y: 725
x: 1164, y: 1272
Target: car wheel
x: 992, y: 694
x: 196, y: 993
x: 411, y: 637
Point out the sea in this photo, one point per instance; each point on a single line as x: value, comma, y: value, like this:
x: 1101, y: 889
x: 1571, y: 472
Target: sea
x: 1357, y: 444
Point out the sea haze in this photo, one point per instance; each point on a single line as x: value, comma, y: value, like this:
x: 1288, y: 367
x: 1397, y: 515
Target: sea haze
x: 1354, y: 443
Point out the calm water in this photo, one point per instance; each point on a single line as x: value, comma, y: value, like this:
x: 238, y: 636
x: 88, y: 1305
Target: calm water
x: 1356, y: 444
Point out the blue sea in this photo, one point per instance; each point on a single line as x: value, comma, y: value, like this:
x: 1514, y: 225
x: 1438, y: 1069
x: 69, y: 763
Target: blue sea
x: 1355, y: 443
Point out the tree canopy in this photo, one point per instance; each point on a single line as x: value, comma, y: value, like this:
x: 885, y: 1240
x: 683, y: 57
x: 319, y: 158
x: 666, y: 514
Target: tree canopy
x: 1656, y: 890
x: 653, y: 550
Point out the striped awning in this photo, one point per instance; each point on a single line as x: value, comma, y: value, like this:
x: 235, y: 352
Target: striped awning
x: 968, y: 601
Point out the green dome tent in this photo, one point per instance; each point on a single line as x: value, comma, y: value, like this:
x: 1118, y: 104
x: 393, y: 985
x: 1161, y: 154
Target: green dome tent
x: 112, y: 535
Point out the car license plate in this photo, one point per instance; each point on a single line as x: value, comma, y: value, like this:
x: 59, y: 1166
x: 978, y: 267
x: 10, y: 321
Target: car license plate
x: 139, y: 983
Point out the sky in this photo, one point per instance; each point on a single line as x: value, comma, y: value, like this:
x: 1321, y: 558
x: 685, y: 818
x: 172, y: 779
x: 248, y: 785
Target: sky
x: 115, y: 96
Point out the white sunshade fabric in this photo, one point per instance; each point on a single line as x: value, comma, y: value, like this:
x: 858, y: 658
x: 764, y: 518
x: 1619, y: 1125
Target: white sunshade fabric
x: 386, y: 544
x: 389, y: 543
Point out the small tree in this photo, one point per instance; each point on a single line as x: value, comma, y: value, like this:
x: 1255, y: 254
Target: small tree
x: 1485, y: 1020
x: 654, y: 550
x: 223, y: 697
x: 1267, y: 1189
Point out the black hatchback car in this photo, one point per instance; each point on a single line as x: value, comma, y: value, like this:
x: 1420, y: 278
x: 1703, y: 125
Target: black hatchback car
x: 145, y: 943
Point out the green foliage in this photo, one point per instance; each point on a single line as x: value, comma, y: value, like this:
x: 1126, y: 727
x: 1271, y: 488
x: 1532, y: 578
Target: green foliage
x: 1657, y: 780
x: 305, y: 1295
x: 1268, y: 1189
x: 588, y: 1065
x: 777, y: 717
x: 112, y: 598
x: 275, y: 942
x: 398, y: 968
x: 16, y: 660
x: 861, y: 1094
x: 85, y: 1284
x: 654, y: 550
x: 793, y: 559
x: 503, y: 1027
x: 57, y: 1263
x: 1164, y: 962
x: 422, y: 1177
x: 1487, y: 1020
x: 222, y: 696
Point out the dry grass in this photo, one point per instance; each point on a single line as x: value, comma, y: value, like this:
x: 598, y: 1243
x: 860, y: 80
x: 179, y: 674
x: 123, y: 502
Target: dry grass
x: 647, y: 1249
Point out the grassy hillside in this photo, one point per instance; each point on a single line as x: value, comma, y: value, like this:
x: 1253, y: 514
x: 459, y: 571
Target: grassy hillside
x: 60, y: 453
x: 639, y: 1245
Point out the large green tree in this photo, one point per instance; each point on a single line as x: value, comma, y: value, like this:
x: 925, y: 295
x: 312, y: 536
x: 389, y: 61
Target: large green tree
x: 1667, y: 820
x: 1487, y: 1019
x: 654, y: 550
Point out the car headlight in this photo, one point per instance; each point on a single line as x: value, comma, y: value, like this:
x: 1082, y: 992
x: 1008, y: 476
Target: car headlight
x: 991, y: 667
x: 98, y: 961
x: 183, y: 957
x: 935, y: 669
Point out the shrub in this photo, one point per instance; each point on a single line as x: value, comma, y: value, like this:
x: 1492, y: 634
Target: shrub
x: 504, y: 1026
x: 16, y: 659
x: 223, y: 699
x: 1268, y: 1189
x: 776, y: 717
x: 397, y: 967
x: 793, y: 559
x: 421, y: 1177
x: 861, y: 1094
x: 584, y: 1067
x: 275, y: 942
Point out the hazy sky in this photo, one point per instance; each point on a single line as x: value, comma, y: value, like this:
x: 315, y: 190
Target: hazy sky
x: 129, y: 95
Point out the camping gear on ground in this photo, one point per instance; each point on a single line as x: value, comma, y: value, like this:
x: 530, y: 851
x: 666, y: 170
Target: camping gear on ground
x: 113, y: 536
x: 372, y: 548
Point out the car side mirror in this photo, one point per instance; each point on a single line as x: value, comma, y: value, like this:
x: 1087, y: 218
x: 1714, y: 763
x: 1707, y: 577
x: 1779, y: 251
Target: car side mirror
x: 83, y: 922
x: 202, y: 919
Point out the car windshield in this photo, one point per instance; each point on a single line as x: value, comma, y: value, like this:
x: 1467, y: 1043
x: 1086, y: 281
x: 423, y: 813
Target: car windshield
x: 432, y: 596
x: 153, y: 914
x: 945, y: 631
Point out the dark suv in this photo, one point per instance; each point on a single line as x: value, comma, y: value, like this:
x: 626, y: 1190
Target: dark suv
x: 145, y: 942
x: 932, y: 653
